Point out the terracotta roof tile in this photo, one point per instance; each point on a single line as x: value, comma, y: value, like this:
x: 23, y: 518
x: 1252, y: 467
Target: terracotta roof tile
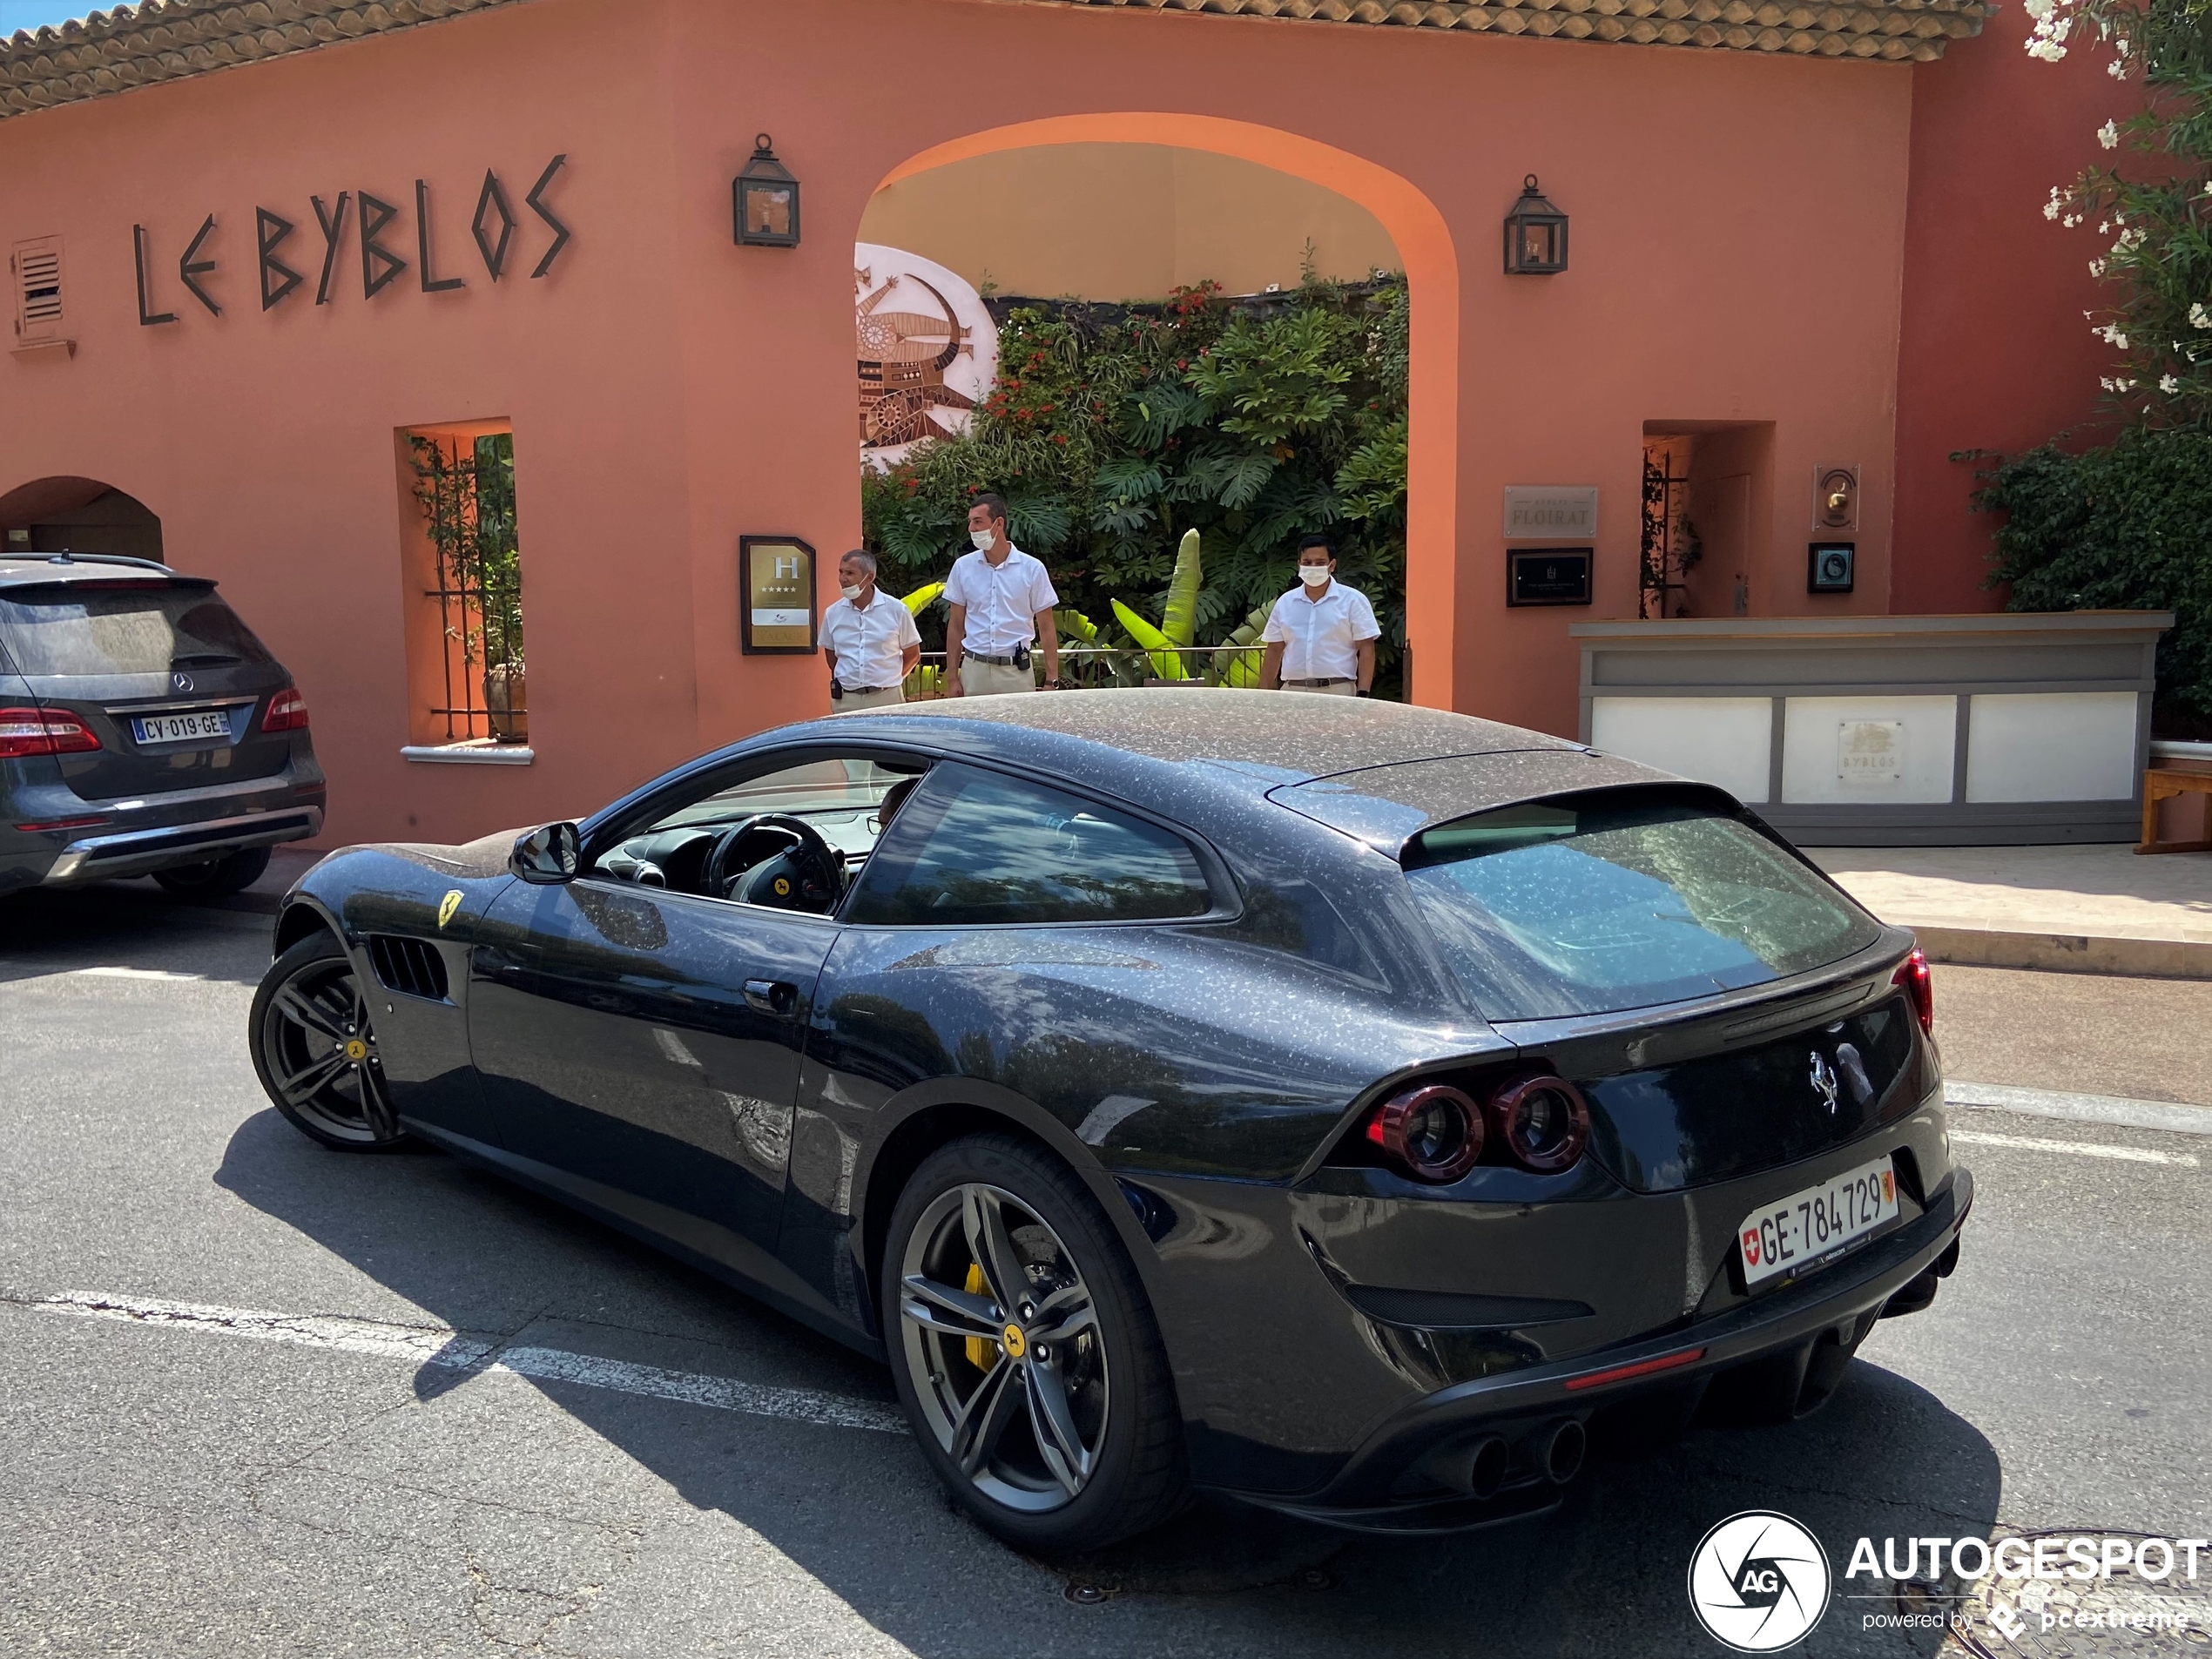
x: 166, y: 40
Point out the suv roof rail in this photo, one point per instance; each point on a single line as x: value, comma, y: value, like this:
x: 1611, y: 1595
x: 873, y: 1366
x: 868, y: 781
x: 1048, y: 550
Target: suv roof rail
x: 65, y: 558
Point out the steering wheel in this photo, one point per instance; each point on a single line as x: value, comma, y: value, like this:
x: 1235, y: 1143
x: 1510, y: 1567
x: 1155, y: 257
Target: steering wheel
x: 776, y: 859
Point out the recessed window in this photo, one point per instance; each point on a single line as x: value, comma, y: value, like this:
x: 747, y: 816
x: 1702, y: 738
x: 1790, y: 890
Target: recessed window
x: 463, y: 590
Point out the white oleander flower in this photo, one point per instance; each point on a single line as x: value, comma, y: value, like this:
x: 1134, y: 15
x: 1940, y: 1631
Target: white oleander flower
x: 2108, y: 135
x: 2168, y: 385
x: 2104, y: 227
x: 2052, y: 207
x: 2199, y: 317
x: 2097, y: 268
x: 2109, y: 384
x: 2118, y: 68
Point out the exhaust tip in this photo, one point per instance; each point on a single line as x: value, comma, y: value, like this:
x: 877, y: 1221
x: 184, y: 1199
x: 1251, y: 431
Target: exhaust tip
x: 1486, y: 1468
x: 1563, y: 1456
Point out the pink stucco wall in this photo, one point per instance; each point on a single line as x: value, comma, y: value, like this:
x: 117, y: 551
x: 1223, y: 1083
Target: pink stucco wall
x: 1739, y: 232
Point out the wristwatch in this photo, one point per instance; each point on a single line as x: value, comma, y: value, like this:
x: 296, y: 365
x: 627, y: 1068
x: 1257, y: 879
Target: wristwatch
x: 1054, y: 685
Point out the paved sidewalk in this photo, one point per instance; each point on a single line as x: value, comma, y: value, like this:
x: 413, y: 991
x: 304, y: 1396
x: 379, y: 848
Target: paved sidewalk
x: 2095, y: 909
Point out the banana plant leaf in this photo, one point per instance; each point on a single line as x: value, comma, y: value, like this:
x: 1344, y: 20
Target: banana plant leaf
x: 921, y: 598
x: 1237, y: 661
x: 1073, y: 625
x: 1179, y: 620
x: 1158, y: 647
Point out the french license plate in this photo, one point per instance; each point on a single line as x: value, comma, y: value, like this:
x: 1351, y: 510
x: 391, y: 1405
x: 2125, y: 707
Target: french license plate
x: 1807, y: 1228
x: 181, y: 728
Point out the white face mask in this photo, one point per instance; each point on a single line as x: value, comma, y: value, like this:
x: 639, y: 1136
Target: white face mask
x: 850, y: 591
x: 1313, y: 575
x: 984, y: 540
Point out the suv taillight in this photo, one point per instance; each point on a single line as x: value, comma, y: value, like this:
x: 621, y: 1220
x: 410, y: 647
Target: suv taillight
x: 37, y: 731
x: 1919, y: 985
x: 287, y: 712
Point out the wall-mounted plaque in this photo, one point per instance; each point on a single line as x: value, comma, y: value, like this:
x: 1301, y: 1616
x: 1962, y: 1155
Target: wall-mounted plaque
x: 1551, y: 512
x: 1547, y: 576
x: 1835, y: 497
x: 1869, y: 751
x: 775, y: 594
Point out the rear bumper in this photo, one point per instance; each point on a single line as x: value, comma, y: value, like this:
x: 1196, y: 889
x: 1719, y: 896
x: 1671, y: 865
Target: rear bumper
x: 128, y: 853
x: 1843, y: 1298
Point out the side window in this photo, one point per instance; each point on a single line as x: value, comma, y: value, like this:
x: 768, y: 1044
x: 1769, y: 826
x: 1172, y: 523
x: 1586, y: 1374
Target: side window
x: 973, y: 848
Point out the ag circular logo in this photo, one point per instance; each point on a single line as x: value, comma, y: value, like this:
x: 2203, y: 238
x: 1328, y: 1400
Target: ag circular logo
x: 1758, y: 1581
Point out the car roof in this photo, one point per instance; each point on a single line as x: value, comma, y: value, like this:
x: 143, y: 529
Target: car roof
x: 50, y: 569
x: 1239, y: 730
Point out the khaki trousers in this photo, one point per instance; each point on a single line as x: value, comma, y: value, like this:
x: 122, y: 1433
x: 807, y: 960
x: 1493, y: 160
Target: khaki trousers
x: 990, y: 679
x: 852, y: 702
x: 1342, y: 688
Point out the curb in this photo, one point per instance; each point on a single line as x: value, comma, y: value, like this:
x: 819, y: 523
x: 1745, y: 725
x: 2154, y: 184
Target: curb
x: 2068, y: 953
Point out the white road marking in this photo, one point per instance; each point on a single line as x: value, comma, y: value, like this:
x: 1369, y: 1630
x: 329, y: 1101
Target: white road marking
x: 2116, y: 1110
x: 2078, y: 1149
x: 438, y: 1345
x: 131, y: 973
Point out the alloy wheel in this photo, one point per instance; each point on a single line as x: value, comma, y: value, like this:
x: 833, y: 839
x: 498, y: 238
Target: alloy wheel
x: 321, y: 1054
x: 1001, y: 1339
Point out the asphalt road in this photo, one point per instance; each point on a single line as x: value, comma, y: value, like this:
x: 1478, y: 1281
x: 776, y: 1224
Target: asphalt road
x: 179, y: 1482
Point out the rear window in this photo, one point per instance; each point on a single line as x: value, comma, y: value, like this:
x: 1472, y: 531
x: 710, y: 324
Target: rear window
x: 1588, y: 905
x: 76, y: 631
x: 974, y: 848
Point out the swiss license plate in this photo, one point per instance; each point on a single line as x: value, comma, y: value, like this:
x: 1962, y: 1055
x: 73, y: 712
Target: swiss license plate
x: 1807, y: 1228
x: 181, y: 728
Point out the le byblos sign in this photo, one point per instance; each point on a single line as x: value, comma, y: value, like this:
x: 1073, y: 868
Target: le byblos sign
x: 356, y: 216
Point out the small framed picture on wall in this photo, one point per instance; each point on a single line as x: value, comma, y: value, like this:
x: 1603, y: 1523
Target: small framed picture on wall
x: 776, y: 610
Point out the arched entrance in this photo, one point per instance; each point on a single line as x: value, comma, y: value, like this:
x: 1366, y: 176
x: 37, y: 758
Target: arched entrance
x: 1426, y: 253
x: 71, y: 514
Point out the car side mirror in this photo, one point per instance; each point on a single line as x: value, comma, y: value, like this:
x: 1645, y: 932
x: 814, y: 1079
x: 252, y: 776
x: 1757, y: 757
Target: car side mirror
x: 547, y: 856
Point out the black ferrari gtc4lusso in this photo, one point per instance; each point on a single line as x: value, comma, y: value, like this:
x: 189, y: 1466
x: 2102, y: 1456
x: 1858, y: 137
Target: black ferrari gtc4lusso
x: 1349, y: 1107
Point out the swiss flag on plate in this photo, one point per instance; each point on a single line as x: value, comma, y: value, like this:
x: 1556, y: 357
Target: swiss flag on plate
x: 1750, y: 1247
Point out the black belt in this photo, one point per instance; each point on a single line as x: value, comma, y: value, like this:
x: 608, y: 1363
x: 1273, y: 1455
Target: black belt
x: 1341, y: 679
x: 868, y: 691
x: 985, y: 657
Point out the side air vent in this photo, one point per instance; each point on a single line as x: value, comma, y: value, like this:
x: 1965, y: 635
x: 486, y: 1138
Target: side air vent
x: 411, y: 967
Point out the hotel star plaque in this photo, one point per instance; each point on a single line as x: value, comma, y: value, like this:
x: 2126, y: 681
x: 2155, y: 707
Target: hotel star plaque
x: 776, y: 594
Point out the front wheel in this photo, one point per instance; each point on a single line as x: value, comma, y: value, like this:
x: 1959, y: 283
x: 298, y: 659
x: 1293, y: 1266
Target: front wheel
x: 315, y: 1051
x: 1024, y: 1351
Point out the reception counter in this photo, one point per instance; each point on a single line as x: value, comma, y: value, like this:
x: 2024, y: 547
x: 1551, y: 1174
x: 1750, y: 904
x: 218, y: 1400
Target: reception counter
x: 1891, y: 731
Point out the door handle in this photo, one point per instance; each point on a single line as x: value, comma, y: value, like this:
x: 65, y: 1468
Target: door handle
x: 779, y: 997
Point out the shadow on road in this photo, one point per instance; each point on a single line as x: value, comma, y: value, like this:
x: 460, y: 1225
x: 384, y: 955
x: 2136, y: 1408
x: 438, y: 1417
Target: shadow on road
x: 860, y: 1513
x: 129, y: 925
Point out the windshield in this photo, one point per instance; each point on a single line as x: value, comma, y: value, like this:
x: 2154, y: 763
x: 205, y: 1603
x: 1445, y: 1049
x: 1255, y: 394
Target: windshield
x: 151, y: 631
x: 1591, y: 904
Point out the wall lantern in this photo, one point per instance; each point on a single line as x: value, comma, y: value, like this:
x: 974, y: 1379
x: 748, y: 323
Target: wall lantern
x: 766, y: 200
x: 1536, y: 235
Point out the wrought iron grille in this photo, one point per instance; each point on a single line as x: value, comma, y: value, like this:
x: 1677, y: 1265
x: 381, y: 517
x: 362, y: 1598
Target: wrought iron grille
x: 467, y: 490
x: 1669, y: 541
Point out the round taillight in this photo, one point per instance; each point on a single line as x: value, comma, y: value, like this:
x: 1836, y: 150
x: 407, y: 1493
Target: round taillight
x: 1434, y: 1130
x: 1544, y: 1122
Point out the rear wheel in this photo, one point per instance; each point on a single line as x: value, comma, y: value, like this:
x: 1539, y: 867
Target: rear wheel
x: 315, y: 1051
x: 216, y: 878
x: 1024, y: 1351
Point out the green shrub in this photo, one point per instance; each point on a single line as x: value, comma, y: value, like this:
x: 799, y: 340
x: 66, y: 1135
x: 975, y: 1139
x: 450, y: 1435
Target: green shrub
x: 2126, y: 526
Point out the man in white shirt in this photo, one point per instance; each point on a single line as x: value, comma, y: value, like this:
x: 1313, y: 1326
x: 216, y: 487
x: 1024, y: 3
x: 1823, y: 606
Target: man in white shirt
x: 1321, y: 635
x: 871, y: 641
x: 1001, y: 599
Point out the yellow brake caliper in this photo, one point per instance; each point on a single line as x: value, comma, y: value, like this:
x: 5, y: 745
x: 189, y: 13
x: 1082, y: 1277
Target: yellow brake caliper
x: 981, y: 1350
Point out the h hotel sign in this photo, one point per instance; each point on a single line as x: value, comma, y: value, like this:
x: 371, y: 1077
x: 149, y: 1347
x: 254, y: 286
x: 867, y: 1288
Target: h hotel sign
x: 350, y: 217
x: 776, y: 595
x: 1551, y: 512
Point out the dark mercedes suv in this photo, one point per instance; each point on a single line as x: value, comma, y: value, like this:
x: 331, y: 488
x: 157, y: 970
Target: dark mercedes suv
x: 143, y: 730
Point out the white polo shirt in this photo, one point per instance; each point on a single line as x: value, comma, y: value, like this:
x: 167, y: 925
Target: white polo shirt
x: 1318, y: 635
x: 870, y: 644
x: 1002, y: 600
